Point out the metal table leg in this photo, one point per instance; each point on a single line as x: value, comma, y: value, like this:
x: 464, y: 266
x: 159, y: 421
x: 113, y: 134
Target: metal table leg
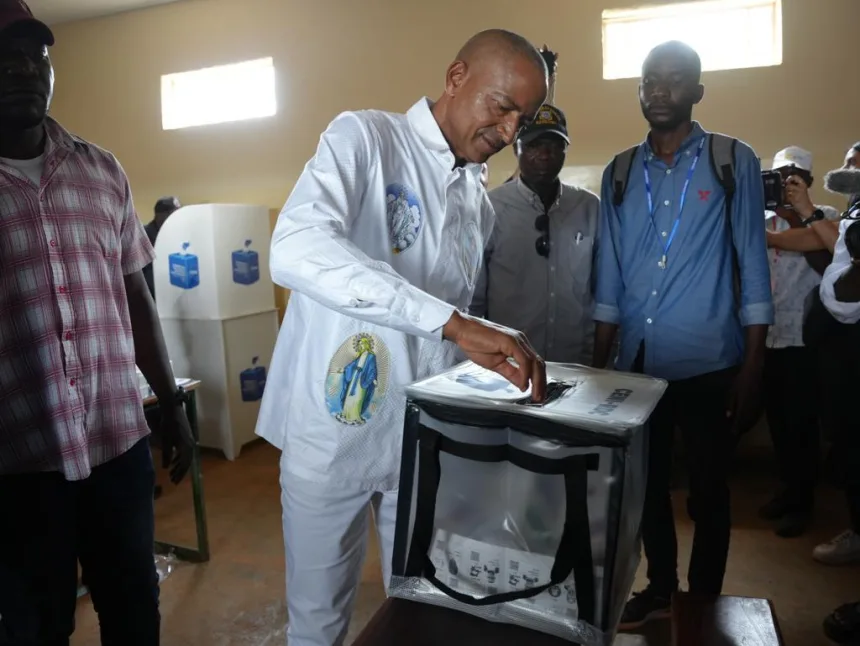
x: 201, y: 553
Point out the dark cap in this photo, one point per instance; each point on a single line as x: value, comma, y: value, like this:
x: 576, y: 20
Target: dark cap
x: 165, y: 204
x: 549, y: 120
x: 16, y: 13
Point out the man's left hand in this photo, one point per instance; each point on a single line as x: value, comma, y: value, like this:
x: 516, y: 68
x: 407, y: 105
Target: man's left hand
x: 177, y: 443
x: 743, y: 405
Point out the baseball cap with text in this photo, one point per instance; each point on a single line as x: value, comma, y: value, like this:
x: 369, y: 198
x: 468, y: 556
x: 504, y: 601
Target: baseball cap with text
x: 16, y: 13
x: 793, y: 156
x: 549, y: 120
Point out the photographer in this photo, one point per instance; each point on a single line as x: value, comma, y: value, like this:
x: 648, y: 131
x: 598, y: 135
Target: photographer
x: 840, y: 295
x: 820, y: 235
x: 792, y: 421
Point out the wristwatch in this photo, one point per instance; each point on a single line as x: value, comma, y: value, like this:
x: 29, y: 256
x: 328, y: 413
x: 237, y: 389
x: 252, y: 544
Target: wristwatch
x: 180, y: 396
x: 817, y: 215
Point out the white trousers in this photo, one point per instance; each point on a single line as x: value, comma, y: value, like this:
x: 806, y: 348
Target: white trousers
x: 325, y: 537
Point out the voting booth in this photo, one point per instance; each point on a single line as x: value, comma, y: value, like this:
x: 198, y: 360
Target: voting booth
x: 520, y: 513
x: 216, y: 303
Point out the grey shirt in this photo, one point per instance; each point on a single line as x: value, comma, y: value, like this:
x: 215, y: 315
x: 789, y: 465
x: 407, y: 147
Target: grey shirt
x: 550, y: 299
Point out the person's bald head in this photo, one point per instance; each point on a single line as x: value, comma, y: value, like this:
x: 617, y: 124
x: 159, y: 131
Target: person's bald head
x: 500, y: 42
x: 493, y: 88
x: 671, y: 85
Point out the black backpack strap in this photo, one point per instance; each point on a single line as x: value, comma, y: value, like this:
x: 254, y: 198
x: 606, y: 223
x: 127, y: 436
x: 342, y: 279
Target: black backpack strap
x: 723, y: 165
x: 621, y: 174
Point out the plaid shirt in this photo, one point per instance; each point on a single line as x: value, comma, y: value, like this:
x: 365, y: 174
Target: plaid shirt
x: 69, y: 397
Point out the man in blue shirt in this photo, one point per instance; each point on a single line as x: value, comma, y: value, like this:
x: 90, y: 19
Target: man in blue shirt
x: 665, y: 276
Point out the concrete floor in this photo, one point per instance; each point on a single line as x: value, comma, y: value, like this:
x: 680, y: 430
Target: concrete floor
x: 238, y: 598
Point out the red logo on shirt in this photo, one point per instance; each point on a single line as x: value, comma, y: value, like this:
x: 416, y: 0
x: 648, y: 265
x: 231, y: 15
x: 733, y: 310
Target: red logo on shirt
x: 703, y: 195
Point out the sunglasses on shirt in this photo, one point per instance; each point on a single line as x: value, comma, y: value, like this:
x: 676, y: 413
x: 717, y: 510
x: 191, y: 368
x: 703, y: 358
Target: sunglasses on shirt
x: 542, y: 243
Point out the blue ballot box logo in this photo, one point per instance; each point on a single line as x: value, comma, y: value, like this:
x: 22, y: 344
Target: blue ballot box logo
x: 246, y: 265
x: 184, y: 268
x: 253, y: 381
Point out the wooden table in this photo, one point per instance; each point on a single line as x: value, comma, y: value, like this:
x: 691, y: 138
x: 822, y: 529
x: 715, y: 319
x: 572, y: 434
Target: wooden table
x: 723, y: 621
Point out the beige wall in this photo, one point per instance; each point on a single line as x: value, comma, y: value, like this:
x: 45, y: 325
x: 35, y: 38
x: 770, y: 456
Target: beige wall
x: 334, y: 55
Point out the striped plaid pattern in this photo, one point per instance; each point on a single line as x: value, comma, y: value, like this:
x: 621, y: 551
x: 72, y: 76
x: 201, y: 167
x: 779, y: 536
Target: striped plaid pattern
x: 69, y: 398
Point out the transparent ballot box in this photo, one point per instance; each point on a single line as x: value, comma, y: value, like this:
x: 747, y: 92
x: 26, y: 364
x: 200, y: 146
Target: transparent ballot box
x: 520, y: 513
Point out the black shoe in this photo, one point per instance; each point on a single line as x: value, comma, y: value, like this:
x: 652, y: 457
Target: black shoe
x: 843, y: 625
x: 793, y: 524
x: 777, y: 507
x: 643, y: 607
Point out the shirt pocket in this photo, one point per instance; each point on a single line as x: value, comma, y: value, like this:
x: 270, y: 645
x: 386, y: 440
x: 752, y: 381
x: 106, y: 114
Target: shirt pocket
x: 92, y: 222
x: 581, y: 260
x: 103, y: 246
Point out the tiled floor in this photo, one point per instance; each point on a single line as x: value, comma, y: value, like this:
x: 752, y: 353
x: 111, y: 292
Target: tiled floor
x: 238, y: 598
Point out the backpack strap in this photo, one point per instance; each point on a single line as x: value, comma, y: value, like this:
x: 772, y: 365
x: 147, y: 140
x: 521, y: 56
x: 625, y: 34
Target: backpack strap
x: 723, y: 165
x: 621, y: 174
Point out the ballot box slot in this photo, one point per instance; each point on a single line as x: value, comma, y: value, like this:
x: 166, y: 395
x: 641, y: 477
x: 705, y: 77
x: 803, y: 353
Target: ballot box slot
x: 554, y: 390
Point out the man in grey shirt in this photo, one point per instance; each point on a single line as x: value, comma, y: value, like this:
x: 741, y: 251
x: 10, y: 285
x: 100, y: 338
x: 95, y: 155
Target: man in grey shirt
x: 537, y: 272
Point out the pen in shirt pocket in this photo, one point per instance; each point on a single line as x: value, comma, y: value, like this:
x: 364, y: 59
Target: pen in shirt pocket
x: 578, y: 237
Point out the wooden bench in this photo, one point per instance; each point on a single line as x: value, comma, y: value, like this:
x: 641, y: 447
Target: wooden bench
x: 723, y: 621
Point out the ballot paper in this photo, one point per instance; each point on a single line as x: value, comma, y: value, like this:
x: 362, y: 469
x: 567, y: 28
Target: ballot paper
x: 603, y: 400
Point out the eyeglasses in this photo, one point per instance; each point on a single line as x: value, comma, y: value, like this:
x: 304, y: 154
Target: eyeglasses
x: 542, y: 243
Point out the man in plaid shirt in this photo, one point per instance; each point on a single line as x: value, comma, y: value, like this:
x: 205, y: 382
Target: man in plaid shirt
x: 76, y: 474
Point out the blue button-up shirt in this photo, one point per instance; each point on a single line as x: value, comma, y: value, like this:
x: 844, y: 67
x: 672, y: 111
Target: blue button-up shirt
x: 686, y: 314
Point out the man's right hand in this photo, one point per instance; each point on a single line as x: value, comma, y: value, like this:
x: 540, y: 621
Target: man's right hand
x: 490, y: 346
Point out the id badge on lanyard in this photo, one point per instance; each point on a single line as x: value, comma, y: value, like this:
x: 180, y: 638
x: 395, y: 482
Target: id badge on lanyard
x: 648, y: 192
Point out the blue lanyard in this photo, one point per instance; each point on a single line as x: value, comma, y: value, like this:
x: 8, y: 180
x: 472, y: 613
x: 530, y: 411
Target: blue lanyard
x: 690, y: 172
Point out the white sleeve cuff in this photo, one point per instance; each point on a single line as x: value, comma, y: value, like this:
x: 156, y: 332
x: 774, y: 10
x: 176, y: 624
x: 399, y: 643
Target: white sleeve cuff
x: 429, y: 315
x: 757, y: 314
x: 607, y: 313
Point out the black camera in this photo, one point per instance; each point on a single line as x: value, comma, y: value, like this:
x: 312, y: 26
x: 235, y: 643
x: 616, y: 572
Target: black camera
x: 774, y: 194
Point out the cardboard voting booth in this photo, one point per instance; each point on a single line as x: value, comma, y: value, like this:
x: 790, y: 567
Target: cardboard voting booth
x: 519, y: 513
x: 217, y: 309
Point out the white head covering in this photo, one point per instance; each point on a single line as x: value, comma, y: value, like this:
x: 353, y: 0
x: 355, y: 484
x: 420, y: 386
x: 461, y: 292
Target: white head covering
x: 793, y: 156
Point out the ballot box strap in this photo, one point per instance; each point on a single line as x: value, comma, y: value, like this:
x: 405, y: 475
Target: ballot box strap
x: 527, y: 424
x: 577, y: 529
x: 429, y: 473
x: 517, y: 457
x: 574, y: 550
